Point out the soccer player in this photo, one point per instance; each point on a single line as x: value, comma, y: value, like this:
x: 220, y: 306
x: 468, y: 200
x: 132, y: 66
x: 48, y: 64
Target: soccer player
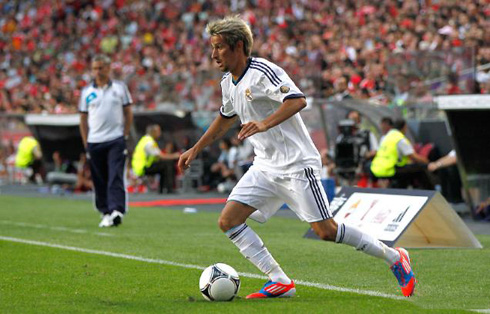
x: 287, y: 164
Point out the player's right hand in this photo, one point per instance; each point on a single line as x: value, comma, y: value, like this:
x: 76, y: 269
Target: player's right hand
x: 186, y: 158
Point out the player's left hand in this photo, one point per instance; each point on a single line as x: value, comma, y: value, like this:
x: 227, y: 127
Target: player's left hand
x: 251, y: 128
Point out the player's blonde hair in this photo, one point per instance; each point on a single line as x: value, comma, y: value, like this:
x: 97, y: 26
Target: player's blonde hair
x: 233, y: 29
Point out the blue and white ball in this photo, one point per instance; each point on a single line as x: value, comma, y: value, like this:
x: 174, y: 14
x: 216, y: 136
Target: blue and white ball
x: 219, y: 282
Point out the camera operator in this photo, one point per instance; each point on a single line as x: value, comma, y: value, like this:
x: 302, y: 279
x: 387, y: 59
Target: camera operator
x: 348, y: 145
x: 367, y: 140
x: 354, y: 148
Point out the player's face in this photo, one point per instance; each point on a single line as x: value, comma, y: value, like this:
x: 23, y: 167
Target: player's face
x: 100, y: 71
x: 225, y: 58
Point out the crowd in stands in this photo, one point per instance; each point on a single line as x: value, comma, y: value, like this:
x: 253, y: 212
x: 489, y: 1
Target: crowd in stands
x: 337, y: 49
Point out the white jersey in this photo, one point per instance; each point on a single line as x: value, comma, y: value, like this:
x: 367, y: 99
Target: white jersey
x: 258, y: 93
x: 104, y: 106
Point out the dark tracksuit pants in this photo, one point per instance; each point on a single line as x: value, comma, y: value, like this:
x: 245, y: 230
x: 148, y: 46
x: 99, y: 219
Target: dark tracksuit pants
x: 107, y: 162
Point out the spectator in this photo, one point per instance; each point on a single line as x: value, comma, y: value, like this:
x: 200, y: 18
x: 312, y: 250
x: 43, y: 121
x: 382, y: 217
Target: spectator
x: 453, y: 88
x: 62, y: 164
x: 240, y: 156
x: 84, y: 179
x: 3, y: 165
x: 160, y: 47
x: 148, y: 159
x: 223, y: 168
x: 328, y: 165
x: 341, y: 90
x: 64, y: 174
x: 482, y: 211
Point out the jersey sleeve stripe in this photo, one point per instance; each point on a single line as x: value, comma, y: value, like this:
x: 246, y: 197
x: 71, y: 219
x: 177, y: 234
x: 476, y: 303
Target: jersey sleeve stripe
x: 293, y: 96
x: 268, y: 68
x: 265, y: 73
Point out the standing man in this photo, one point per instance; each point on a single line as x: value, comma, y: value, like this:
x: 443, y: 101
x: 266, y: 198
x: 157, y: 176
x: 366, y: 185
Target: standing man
x: 148, y: 159
x: 287, y: 164
x: 105, y: 121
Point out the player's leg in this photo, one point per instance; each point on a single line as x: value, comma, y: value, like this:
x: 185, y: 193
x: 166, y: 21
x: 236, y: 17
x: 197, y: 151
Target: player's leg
x: 328, y: 230
x: 398, y: 258
x: 250, y: 195
x: 232, y: 223
x: 312, y: 205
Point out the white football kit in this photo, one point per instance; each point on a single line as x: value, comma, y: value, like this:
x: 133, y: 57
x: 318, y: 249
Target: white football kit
x: 287, y: 164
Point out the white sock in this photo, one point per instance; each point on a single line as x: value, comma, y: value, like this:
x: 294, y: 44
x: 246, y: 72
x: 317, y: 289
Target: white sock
x: 252, y: 247
x: 364, y: 242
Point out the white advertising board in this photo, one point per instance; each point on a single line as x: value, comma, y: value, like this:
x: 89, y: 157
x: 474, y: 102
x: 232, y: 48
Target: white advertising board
x: 406, y: 218
x: 381, y: 215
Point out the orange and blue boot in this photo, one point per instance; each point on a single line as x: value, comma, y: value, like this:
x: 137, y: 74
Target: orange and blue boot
x: 403, y: 272
x: 274, y: 290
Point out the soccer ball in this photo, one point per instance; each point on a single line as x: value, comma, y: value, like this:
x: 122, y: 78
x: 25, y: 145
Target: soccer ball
x: 219, y: 282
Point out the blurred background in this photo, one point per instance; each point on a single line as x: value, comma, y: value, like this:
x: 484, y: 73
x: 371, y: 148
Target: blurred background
x: 381, y: 58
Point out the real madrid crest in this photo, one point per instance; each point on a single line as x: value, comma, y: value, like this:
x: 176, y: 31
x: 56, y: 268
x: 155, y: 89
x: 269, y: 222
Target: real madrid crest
x: 248, y: 94
x: 284, y: 89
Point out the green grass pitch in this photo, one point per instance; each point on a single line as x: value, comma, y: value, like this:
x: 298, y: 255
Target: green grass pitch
x: 36, y: 277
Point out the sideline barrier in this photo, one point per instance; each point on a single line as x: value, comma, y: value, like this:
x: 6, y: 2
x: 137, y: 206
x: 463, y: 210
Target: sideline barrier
x: 406, y: 218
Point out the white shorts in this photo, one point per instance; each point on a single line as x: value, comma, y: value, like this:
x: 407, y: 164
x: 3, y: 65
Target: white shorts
x: 266, y: 192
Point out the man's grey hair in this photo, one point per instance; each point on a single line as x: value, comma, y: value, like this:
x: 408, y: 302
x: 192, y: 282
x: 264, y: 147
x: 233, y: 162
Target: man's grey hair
x: 233, y: 29
x: 102, y: 58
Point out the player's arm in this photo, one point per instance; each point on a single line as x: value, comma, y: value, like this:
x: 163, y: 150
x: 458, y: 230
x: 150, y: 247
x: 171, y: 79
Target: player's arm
x: 287, y: 109
x: 216, y: 130
x: 84, y: 127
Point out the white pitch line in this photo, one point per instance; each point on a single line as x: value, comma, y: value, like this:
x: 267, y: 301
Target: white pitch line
x: 191, y: 266
x: 39, y: 226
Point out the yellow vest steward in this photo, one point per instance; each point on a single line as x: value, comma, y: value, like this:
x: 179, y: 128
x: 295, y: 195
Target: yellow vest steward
x: 386, y: 158
x: 140, y: 159
x: 25, y: 155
